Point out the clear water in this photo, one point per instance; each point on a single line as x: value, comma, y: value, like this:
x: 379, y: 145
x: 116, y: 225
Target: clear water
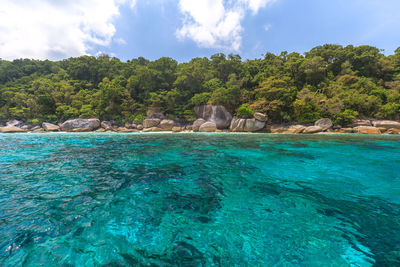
x: 199, y: 200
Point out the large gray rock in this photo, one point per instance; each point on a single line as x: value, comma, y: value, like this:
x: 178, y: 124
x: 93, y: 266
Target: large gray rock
x: 324, y: 123
x: 167, y: 125
x: 214, y: 113
x: 253, y: 125
x: 149, y: 123
x: 386, y: 124
x: 197, y: 123
x: 107, y: 125
x: 15, y: 123
x: 49, y: 127
x: 313, y: 129
x: 260, y: 116
x: 80, y: 125
x: 237, y: 124
x: 208, y: 127
x: 155, y: 113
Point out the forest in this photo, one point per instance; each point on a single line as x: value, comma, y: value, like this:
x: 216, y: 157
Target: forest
x: 329, y: 81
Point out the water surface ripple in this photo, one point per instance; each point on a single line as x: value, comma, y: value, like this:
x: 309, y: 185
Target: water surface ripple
x: 199, y: 200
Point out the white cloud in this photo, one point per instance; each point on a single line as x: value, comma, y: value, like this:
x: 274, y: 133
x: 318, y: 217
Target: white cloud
x: 49, y: 29
x: 267, y: 27
x: 216, y: 23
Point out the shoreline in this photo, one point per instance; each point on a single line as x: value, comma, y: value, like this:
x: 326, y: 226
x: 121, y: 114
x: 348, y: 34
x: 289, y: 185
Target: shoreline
x: 201, y: 133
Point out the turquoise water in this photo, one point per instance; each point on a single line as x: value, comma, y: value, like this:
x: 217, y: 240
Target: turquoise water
x: 199, y: 200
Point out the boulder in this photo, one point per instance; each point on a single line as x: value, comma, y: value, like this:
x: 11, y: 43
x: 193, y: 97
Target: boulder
x: 139, y: 127
x: 149, y: 123
x: 366, y: 130
x: 167, y: 125
x: 214, y: 113
x: 357, y: 123
x: 393, y: 131
x: 49, y: 127
x: 129, y: 125
x: 196, y: 124
x: 345, y: 130
x: 15, y: 123
x: 208, y: 127
x: 278, y: 128
x: 100, y: 130
x: 260, y: 116
x: 38, y: 130
x: 80, y: 125
x: 11, y: 129
x: 237, y: 124
x: 126, y: 130
x: 253, y: 125
x: 106, y: 125
x: 313, y: 129
x: 176, y: 129
x: 35, y: 128
x: 325, y: 123
x: 386, y: 124
x: 295, y: 129
x: 152, y: 129
x: 154, y: 113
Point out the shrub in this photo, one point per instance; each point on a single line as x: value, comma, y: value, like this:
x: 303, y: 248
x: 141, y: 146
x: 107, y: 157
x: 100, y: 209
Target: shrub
x: 200, y: 99
x: 245, y: 111
x: 346, y: 117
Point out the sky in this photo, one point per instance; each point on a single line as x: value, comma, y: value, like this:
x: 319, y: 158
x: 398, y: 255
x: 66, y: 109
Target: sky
x: 184, y: 29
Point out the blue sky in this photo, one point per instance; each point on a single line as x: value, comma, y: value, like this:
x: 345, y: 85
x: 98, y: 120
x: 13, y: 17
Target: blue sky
x: 183, y: 29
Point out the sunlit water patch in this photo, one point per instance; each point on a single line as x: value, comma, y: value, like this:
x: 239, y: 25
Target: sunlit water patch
x: 199, y: 200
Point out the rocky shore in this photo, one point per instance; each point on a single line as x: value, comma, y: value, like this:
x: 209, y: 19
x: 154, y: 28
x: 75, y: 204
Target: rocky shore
x: 211, y: 118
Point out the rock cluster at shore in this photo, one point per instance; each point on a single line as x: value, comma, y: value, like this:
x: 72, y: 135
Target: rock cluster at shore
x: 211, y: 118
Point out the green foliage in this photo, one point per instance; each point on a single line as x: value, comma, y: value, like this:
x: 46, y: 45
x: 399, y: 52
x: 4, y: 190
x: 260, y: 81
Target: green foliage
x: 139, y: 118
x: 328, y: 81
x: 200, y: 99
x: 346, y: 117
x: 245, y: 111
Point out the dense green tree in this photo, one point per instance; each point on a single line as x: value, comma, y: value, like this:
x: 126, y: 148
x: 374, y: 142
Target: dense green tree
x: 332, y: 81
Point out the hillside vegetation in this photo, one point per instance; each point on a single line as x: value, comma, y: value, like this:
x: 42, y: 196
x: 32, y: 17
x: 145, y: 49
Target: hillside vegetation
x: 331, y: 81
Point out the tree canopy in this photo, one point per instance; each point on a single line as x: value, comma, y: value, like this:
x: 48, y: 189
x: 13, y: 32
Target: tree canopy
x: 332, y: 81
